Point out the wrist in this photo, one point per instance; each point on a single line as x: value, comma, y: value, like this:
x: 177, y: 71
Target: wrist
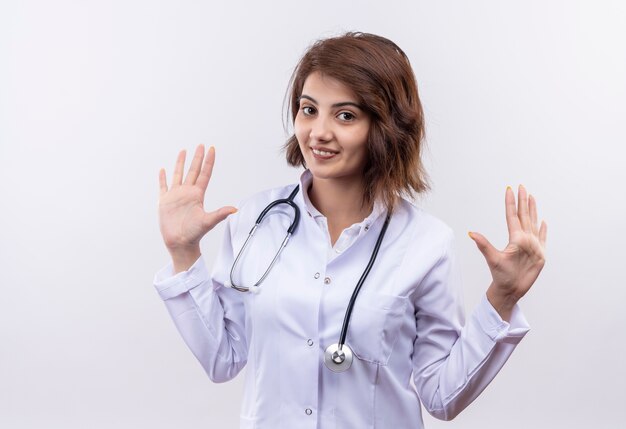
x: 184, y: 258
x: 502, y: 302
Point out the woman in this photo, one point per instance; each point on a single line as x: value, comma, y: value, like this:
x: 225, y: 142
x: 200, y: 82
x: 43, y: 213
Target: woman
x: 358, y: 132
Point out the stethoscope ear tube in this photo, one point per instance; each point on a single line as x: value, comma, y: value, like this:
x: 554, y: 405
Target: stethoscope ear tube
x: 290, y: 231
x: 296, y: 217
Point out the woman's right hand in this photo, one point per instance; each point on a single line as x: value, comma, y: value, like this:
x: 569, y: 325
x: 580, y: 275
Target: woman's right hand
x: 182, y: 219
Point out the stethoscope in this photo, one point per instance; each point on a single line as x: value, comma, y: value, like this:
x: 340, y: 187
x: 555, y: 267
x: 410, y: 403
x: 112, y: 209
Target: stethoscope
x: 337, y: 357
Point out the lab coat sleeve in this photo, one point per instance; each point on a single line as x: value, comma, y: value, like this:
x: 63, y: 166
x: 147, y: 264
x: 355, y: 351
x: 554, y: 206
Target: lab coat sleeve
x: 208, y: 315
x: 454, y: 361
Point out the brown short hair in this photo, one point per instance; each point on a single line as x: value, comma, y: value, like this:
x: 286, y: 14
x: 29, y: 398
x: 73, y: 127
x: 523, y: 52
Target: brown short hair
x: 380, y: 75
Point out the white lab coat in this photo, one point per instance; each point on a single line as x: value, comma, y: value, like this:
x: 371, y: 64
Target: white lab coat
x: 408, y: 333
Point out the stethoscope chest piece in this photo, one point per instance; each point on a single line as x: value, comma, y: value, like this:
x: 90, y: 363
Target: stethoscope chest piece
x: 338, y: 360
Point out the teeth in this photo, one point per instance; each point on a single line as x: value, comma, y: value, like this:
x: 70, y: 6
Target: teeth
x: 322, y: 152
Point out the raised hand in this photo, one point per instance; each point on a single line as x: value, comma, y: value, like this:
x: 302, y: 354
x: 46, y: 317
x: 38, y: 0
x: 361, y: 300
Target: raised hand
x: 515, y: 269
x: 182, y: 219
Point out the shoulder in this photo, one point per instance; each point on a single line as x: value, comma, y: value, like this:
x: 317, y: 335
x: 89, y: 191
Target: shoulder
x: 422, y: 226
x: 427, y: 245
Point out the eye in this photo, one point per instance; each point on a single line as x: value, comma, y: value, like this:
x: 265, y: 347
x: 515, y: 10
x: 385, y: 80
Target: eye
x: 346, y: 116
x: 308, y: 110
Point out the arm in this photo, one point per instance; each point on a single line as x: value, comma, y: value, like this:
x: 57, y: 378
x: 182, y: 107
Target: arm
x: 454, y: 360
x: 454, y: 363
x: 208, y: 316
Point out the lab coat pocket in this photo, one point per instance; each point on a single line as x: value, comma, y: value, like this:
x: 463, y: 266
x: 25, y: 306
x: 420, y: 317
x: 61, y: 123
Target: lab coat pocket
x: 374, y: 327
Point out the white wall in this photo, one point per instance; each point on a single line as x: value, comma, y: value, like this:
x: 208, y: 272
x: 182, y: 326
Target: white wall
x: 95, y: 97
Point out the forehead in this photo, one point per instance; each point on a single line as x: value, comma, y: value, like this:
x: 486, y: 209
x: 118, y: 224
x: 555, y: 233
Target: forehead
x: 324, y: 88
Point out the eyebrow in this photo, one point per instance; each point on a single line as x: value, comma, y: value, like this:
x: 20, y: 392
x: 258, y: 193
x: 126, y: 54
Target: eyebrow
x: 341, y: 104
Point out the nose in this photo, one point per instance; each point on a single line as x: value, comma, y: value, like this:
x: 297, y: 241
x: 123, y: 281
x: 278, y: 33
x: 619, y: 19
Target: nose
x: 321, y: 130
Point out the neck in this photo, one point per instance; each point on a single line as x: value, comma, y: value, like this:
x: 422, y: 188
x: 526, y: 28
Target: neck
x: 341, y: 202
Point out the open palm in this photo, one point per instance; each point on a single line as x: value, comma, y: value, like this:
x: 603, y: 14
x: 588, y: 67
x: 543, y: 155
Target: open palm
x: 515, y: 269
x: 182, y: 218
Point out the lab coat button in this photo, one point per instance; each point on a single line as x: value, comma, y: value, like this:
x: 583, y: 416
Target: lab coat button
x: 317, y: 275
x: 327, y: 280
x: 308, y: 411
x: 367, y: 227
x: 310, y: 342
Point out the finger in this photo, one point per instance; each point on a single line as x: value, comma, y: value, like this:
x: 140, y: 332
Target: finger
x: 543, y: 233
x: 196, y: 163
x: 486, y: 248
x: 512, y: 221
x: 180, y: 167
x: 207, y: 170
x: 213, y: 218
x: 532, y: 207
x: 522, y: 208
x: 162, y: 182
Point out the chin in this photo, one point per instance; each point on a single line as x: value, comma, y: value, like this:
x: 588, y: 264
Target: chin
x: 319, y: 173
x: 330, y: 174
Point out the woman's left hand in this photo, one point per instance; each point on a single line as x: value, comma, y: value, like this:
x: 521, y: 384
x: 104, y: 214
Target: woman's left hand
x: 515, y: 269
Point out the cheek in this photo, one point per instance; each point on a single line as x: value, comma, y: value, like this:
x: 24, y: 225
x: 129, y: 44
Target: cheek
x: 299, y: 131
x: 301, y: 137
x: 357, y: 142
x: 359, y: 148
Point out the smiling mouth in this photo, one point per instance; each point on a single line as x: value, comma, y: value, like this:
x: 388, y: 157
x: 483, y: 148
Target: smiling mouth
x: 323, y: 153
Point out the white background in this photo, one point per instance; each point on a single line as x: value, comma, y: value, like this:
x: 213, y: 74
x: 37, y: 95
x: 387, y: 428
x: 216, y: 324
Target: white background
x: 95, y: 97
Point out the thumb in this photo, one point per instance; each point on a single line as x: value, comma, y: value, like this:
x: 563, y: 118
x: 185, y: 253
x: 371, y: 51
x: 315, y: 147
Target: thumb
x: 213, y: 218
x: 486, y: 248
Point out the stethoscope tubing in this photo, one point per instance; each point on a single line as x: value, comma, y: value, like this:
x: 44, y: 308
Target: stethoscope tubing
x: 357, y: 289
x: 335, y: 358
x: 288, y: 200
x: 290, y: 231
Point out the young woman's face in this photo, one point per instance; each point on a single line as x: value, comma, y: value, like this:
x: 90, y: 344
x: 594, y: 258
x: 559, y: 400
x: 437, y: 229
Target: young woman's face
x: 331, y: 129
